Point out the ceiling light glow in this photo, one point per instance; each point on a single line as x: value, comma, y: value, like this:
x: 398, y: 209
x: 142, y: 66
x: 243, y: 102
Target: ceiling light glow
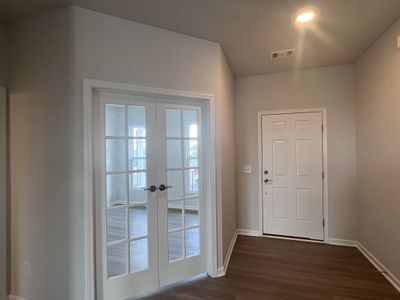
x: 305, y: 15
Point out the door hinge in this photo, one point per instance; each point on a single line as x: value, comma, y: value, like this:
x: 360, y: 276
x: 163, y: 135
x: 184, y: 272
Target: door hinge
x: 323, y: 175
x: 322, y: 128
x: 323, y: 222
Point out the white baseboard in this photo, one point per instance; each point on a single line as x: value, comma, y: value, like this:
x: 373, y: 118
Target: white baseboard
x: 222, y: 270
x: 248, y: 232
x: 12, y: 297
x: 385, y: 271
x: 342, y: 242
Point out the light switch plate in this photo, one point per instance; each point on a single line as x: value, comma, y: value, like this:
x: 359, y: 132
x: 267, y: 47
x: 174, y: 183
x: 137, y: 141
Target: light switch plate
x: 247, y: 169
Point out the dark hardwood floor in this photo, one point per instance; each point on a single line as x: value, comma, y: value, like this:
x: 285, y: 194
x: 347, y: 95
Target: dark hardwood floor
x: 273, y: 269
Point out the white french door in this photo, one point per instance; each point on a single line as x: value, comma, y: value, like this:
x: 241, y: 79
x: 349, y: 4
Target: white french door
x: 293, y: 175
x: 148, y: 194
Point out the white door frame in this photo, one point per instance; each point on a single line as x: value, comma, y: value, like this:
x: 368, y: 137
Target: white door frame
x: 89, y: 86
x: 3, y: 193
x: 325, y: 162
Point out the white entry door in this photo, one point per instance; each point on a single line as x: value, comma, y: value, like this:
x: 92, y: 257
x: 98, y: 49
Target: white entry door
x: 149, y: 227
x: 293, y: 175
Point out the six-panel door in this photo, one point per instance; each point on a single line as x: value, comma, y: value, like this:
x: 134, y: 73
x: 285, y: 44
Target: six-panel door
x: 292, y: 174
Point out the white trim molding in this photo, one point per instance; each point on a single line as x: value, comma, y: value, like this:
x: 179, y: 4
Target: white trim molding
x: 379, y: 266
x: 89, y: 87
x: 248, y: 232
x: 222, y: 270
x: 12, y: 297
x: 342, y: 242
x: 325, y: 163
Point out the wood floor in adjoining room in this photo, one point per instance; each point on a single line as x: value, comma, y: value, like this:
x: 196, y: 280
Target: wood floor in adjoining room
x: 274, y: 269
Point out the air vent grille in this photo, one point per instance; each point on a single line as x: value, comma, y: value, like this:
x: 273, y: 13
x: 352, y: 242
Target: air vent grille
x: 282, y: 54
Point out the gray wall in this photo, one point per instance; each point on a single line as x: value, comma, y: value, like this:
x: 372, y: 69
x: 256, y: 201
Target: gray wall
x: 52, y: 53
x: 378, y: 149
x: 332, y: 88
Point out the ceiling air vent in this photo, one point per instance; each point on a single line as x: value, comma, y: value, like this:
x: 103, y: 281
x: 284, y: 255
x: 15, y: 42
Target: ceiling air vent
x: 282, y: 54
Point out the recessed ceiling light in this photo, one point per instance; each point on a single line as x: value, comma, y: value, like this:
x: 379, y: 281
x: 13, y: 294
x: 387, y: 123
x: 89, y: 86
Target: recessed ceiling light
x: 305, y: 15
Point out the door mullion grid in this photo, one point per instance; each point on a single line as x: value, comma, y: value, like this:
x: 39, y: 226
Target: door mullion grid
x: 114, y: 137
x: 127, y: 190
x: 184, y: 185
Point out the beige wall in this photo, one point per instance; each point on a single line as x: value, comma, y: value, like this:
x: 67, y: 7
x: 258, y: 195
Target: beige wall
x: 3, y: 56
x: 227, y: 154
x: 52, y: 53
x: 45, y: 161
x: 378, y: 149
x: 3, y: 194
x: 3, y: 134
x: 332, y: 88
x: 130, y: 52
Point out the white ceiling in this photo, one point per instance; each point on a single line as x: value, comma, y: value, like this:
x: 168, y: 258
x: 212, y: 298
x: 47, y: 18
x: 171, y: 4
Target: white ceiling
x: 249, y: 30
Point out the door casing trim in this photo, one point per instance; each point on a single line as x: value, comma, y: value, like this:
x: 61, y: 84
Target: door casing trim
x: 91, y: 85
x: 325, y: 163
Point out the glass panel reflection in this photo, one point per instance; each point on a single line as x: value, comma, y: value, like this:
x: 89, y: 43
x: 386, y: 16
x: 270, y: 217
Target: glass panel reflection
x: 115, y: 120
x: 137, y: 184
x: 115, y: 155
x: 174, y: 154
x: 136, y: 121
x: 191, y: 153
x: 191, y: 182
x: 138, y: 221
x: 137, y: 154
x: 173, y: 120
x: 117, y: 260
x: 174, y: 179
x: 116, y: 190
x: 116, y: 224
x: 190, y: 129
x: 192, y: 212
x: 175, y: 245
x: 175, y: 215
x: 192, y: 242
x: 139, y: 255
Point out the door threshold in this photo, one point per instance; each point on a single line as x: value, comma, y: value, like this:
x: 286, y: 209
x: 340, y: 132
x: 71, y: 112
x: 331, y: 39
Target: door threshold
x: 292, y: 238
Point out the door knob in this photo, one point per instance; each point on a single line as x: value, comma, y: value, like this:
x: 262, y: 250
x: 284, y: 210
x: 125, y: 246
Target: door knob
x: 163, y: 187
x: 151, y: 188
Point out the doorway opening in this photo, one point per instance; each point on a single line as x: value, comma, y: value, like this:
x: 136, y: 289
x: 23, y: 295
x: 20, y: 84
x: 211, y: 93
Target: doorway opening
x: 153, y: 208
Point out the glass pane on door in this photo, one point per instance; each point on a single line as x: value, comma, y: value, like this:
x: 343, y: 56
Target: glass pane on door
x: 126, y: 178
x: 182, y: 147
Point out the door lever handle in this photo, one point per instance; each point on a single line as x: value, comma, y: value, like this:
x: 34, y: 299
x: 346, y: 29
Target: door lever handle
x: 266, y: 180
x: 163, y: 187
x: 151, y: 188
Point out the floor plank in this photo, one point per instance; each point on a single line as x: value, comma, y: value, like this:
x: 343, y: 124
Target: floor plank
x: 274, y: 269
